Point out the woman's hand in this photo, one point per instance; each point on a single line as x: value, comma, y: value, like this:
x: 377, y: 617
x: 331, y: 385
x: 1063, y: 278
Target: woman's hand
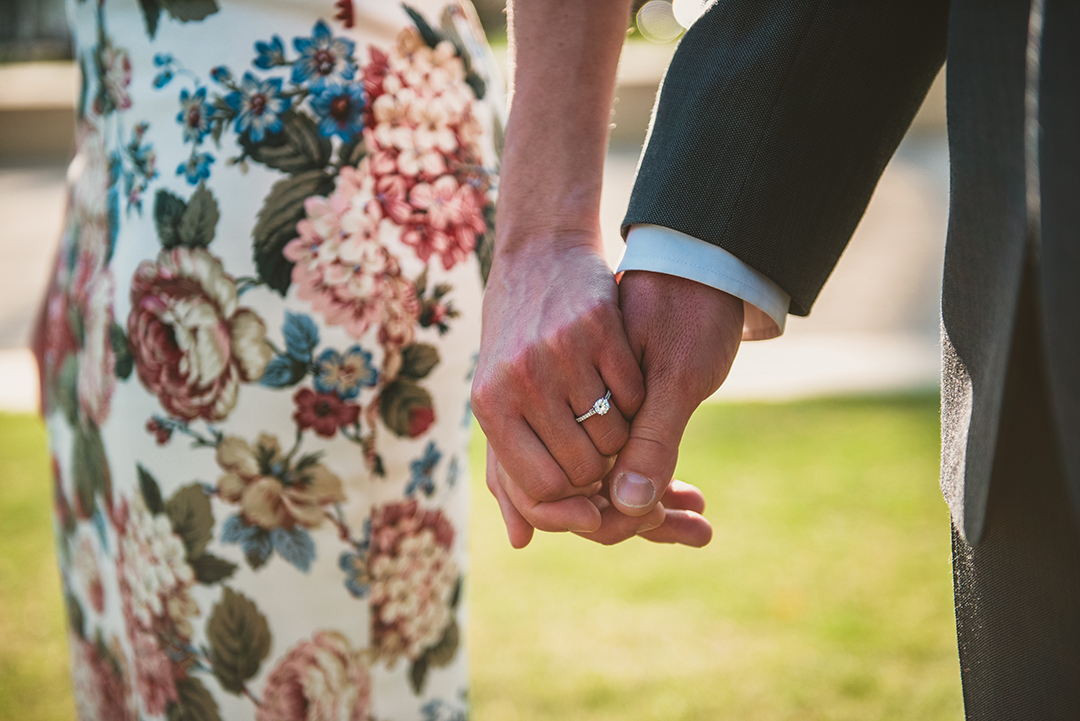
x: 553, y: 343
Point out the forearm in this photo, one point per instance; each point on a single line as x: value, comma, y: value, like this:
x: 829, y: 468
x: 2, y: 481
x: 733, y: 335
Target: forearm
x: 564, y: 55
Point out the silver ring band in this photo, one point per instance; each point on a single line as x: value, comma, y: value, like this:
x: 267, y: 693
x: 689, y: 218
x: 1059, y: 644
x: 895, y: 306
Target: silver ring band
x: 601, y: 407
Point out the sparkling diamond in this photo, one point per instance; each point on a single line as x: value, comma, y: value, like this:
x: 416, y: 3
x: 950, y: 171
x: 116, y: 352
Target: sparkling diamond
x: 601, y: 406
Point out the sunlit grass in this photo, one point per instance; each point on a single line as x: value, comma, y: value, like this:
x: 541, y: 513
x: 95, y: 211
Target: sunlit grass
x: 34, y: 681
x: 824, y: 595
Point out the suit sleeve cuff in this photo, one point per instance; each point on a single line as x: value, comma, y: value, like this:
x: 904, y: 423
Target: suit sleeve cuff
x: 663, y: 250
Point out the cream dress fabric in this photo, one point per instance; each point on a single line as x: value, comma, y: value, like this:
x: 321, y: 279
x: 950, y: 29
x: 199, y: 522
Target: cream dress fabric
x: 261, y: 335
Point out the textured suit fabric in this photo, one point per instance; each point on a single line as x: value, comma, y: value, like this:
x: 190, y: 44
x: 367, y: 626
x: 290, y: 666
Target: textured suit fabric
x: 1017, y: 591
x: 1059, y: 250
x: 775, y: 121
x: 984, y: 255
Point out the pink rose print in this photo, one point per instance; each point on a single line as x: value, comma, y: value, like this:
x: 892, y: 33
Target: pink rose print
x: 155, y: 585
x: 100, y: 682
x: 323, y: 678
x: 192, y: 342
x: 343, y: 269
x: 117, y: 75
x: 412, y: 578
x: 97, y: 360
x: 89, y: 573
x: 422, y: 136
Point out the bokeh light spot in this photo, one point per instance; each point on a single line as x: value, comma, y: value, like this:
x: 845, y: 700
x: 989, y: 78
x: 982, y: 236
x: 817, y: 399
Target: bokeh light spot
x: 657, y: 22
x: 687, y: 11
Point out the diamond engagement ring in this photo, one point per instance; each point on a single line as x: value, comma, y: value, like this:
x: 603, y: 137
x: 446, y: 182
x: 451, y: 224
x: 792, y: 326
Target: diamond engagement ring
x: 601, y: 407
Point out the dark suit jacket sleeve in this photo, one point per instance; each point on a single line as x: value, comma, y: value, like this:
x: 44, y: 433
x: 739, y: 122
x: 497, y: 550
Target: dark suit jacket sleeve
x: 775, y: 121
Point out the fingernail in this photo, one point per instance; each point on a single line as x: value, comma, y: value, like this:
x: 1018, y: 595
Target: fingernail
x: 633, y: 490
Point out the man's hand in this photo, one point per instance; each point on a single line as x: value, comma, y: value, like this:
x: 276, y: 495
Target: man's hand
x: 553, y: 343
x: 677, y: 519
x: 685, y: 336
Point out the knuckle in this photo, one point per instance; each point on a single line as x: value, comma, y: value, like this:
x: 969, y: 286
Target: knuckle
x: 635, y: 392
x: 546, y: 490
x: 655, y: 434
x: 480, y: 399
x: 477, y: 391
x: 588, y: 471
x: 599, y: 315
x: 612, y: 439
x: 526, y: 372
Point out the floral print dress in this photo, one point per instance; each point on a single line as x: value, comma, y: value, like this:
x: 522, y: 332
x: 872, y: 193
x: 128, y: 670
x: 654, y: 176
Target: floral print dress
x: 260, y: 339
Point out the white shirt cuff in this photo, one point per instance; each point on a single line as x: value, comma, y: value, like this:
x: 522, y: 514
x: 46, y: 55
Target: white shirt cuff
x: 663, y: 250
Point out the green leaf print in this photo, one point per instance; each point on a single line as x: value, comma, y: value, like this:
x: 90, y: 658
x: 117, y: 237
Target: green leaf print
x: 168, y: 213
x: 200, y: 218
x: 239, y: 640
x: 352, y: 152
x: 211, y: 569
x: 90, y: 468
x: 189, y: 10
x: 485, y: 244
x: 125, y: 361
x: 192, y: 518
x: 151, y: 14
x: 75, y: 616
x: 276, y: 225
x: 418, y: 673
x: 297, y: 148
x: 191, y: 224
x: 442, y: 653
x: 406, y: 408
x: 182, y: 10
x: 194, y: 702
x: 439, y: 655
x: 66, y: 391
x: 418, y: 359
x: 151, y: 491
x: 430, y: 35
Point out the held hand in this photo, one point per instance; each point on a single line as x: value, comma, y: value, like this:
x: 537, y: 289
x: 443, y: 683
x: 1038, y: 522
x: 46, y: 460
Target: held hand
x: 553, y: 343
x: 686, y: 335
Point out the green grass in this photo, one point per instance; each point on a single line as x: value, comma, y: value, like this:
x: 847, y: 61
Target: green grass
x: 825, y: 593
x: 33, y: 650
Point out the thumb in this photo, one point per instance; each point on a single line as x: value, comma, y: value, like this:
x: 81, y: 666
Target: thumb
x: 646, y: 464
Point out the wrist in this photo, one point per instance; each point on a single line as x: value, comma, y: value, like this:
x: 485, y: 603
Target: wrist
x: 546, y: 242
x: 555, y: 221
x: 548, y: 196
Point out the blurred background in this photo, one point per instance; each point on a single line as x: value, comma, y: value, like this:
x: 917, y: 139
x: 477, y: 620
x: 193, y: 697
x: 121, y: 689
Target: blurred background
x: 826, y: 593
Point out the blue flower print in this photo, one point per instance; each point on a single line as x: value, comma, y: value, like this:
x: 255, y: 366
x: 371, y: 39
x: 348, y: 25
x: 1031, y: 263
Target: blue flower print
x: 439, y: 710
x: 220, y: 74
x: 356, y: 575
x: 422, y: 470
x: 196, y: 168
x: 194, y: 115
x: 339, y: 108
x: 165, y: 62
x: 345, y: 373
x: 323, y: 59
x: 163, y: 78
x: 258, y: 105
x: 271, y: 54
